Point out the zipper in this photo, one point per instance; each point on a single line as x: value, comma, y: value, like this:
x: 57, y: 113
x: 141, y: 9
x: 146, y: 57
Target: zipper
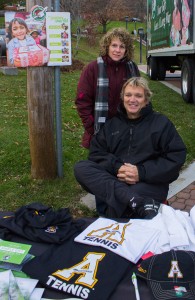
x: 130, y: 138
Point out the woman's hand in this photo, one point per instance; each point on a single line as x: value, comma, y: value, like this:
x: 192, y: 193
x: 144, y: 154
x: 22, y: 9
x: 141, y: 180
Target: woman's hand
x: 128, y: 173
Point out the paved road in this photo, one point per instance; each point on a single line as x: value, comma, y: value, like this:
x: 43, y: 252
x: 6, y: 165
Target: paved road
x: 172, y: 80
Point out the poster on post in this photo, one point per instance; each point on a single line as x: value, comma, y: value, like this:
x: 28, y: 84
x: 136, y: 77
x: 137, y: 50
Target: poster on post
x: 58, y: 38
x: 26, y: 38
x: 38, y: 38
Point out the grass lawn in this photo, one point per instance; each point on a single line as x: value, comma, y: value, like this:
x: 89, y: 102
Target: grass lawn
x: 16, y: 185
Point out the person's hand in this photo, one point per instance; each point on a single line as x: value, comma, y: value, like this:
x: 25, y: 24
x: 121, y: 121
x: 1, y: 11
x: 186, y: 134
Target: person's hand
x: 128, y: 173
x: 145, y: 208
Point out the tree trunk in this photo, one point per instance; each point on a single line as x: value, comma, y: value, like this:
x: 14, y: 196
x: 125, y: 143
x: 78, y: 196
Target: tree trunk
x: 41, y: 115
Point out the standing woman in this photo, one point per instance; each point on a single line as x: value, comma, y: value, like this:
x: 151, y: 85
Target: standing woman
x: 100, y: 84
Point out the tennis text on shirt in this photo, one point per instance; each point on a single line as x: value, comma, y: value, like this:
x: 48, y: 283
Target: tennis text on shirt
x: 129, y: 240
x: 87, y: 271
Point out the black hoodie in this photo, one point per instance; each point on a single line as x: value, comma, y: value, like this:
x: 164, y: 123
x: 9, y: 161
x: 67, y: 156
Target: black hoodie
x: 151, y: 142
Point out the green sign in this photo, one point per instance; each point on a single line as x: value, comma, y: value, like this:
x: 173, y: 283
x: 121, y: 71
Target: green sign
x: 170, y: 23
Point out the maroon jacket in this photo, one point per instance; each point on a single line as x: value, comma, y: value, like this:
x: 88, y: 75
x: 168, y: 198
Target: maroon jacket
x: 86, y: 92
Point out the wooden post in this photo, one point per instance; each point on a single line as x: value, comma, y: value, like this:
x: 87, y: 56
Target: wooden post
x: 41, y: 115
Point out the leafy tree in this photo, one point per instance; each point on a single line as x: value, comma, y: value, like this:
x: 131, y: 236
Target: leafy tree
x: 140, y: 9
x: 101, y: 12
x: 72, y: 6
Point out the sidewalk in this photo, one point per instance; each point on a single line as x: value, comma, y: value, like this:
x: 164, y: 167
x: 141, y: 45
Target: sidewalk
x: 182, y: 191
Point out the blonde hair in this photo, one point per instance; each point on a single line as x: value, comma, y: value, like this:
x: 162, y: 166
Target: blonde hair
x: 123, y: 35
x: 139, y: 82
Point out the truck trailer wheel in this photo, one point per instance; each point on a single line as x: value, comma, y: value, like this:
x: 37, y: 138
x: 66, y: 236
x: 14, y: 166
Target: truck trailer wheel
x: 161, y: 70
x: 187, y: 72
x: 153, y: 68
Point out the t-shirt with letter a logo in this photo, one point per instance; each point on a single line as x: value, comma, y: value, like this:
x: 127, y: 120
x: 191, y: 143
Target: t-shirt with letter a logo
x: 87, y: 272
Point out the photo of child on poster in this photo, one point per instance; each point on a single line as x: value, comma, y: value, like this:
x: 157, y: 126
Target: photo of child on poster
x: 25, y: 40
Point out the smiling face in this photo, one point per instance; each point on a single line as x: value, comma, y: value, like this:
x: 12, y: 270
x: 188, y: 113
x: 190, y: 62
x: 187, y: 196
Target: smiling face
x: 116, y: 50
x: 19, y: 31
x: 134, y: 100
x: 34, y: 34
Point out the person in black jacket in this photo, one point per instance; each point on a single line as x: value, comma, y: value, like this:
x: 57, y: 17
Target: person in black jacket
x: 133, y: 158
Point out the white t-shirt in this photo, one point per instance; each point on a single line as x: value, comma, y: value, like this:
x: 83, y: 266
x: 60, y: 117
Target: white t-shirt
x: 129, y: 240
x: 170, y: 229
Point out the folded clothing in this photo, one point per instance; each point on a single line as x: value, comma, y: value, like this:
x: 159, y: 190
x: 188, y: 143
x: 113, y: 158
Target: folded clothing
x: 40, y: 223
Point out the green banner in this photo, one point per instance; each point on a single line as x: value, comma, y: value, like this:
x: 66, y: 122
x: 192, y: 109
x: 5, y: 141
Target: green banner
x: 170, y: 23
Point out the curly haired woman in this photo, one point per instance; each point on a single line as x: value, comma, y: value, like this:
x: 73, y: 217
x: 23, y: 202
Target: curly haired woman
x: 99, y: 87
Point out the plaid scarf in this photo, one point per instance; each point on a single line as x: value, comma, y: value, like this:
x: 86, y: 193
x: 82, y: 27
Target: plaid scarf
x: 101, y: 101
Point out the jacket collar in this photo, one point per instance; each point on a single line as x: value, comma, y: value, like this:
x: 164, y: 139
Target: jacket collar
x: 146, y: 110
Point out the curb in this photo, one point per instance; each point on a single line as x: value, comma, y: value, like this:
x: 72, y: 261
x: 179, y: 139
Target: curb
x: 185, y: 178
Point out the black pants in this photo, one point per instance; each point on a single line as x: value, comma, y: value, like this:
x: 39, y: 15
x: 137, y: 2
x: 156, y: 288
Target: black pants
x: 110, y: 192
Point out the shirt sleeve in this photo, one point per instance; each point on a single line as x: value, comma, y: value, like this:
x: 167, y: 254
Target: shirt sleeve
x: 85, y: 99
x: 99, y: 152
x: 165, y: 167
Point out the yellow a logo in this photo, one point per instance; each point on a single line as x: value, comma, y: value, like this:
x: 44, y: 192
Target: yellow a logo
x: 87, y: 269
x: 114, y: 232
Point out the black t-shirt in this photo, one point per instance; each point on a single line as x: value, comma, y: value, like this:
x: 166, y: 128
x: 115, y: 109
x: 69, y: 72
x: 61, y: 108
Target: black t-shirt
x: 84, y: 271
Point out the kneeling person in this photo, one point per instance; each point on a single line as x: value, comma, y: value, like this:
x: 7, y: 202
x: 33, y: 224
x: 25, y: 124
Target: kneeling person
x: 133, y: 158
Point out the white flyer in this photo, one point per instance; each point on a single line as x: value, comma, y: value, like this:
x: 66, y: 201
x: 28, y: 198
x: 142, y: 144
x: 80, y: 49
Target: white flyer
x: 58, y: 38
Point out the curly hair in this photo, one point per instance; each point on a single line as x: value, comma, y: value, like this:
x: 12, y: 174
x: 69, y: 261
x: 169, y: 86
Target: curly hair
x: 137, y: 82
x: 123, y: 35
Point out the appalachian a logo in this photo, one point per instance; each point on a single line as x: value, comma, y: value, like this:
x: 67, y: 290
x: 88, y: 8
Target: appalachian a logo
x: 84, y: 275
x: 114, y: 233
x: 175, y: 271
